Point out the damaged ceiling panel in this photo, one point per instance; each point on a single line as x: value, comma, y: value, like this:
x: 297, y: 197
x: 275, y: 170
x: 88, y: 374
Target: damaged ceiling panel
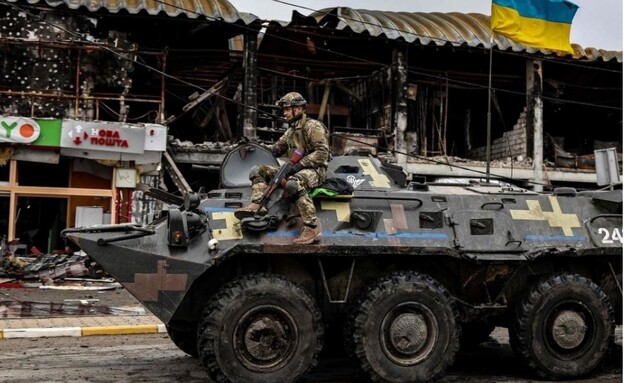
x: 213, y: 9
x: 471, y: 29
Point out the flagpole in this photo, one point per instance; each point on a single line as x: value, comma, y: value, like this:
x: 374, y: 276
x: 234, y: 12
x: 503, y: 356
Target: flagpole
x: 489, y: 116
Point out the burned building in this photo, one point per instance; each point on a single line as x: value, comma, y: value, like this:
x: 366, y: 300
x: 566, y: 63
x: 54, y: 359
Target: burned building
x: 415, y: 85
x: 84, y: 92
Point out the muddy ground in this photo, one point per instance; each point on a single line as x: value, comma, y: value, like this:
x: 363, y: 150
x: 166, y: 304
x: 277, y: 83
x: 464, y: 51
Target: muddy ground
x: 154, y: 358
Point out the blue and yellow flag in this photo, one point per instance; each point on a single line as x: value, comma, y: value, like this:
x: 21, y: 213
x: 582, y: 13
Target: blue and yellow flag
x: 536, y: 23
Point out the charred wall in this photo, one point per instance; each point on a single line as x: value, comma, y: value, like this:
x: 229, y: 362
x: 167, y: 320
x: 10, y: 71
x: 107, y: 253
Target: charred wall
x: 447, y: 90
x: 64, y: 63
x: 52, y: 64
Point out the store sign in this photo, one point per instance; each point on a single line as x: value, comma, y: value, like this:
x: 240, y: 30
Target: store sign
x: 102, y: 136
x: 18, y: 130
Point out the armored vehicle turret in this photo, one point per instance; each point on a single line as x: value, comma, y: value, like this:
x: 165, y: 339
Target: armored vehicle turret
x: 404, y: 271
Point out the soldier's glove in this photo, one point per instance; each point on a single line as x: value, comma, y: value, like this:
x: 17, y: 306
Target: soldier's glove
x: 296, y: 168
x: 275, y: 150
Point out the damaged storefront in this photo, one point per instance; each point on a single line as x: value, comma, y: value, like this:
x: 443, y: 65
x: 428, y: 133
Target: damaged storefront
x: 83, y: 92
x: 73, y: 173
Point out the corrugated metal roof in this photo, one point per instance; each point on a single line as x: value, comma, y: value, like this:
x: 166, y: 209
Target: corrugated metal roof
x: 212, y: 9
x: 472, y: 29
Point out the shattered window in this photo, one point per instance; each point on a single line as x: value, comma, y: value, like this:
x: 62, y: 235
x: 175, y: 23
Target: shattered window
x: 40, y: 174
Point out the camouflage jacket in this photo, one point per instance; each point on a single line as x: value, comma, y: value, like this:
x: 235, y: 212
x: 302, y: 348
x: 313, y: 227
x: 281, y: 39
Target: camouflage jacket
x: 312, y: 136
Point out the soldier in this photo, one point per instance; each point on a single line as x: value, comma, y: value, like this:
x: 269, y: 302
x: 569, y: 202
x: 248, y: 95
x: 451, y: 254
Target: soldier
x: 308, y: 173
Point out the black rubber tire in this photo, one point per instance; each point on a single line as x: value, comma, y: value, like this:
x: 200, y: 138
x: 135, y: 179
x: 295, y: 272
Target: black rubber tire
x: 574, y: 308
x: 260, y: 328
x: 185, y: 340
x: 405, y: 329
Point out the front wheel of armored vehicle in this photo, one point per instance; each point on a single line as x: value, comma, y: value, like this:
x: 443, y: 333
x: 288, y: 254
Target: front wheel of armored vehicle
x: 564, y: 327
x: 260, y: 328
x: 406, y: 329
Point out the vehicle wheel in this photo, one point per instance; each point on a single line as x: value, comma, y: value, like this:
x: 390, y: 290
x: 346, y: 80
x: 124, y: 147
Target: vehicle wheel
x: 475, y: 333
x: 260, y: 328
x: 563, y: 328
x: 405, y: 329
x: 185, y: 340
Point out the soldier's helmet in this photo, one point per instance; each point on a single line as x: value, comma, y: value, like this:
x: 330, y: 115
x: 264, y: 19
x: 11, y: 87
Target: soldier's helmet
x: 291, y: 99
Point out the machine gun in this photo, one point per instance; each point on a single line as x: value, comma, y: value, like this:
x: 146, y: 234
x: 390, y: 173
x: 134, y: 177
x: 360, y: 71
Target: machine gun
x: 280, y: 177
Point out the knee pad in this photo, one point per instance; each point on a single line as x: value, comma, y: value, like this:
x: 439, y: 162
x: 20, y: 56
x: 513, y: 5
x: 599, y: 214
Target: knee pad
x: 291, y: 187
x: 254, y: 172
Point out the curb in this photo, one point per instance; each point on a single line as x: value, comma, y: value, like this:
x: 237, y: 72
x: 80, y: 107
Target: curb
x: 81, y: 331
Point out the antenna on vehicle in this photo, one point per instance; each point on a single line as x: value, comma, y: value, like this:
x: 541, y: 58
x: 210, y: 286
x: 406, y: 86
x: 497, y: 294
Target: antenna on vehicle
x: 489, y: 116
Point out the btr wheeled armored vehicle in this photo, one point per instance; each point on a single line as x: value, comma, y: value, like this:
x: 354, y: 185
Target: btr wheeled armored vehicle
x: 404, y: 271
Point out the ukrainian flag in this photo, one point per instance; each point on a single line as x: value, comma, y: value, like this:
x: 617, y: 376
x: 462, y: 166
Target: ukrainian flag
x: 536, y: 23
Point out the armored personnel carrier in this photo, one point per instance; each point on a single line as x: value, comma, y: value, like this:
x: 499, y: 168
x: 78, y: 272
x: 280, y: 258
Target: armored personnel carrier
x: 406, y: 272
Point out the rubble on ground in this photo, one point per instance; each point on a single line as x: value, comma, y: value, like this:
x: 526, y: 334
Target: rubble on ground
x: 45, y: 267
x: 53, y: 271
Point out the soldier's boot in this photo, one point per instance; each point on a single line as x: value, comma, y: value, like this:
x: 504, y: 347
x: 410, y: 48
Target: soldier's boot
x: 258, y: 187
x: 250, y: 210
x: 308, y: 235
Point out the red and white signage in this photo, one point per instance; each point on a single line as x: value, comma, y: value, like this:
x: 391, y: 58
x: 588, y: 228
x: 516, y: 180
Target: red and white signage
x: 102, y: 136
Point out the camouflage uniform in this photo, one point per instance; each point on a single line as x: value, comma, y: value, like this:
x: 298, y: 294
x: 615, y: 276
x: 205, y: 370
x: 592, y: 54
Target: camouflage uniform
x: 311, y: 135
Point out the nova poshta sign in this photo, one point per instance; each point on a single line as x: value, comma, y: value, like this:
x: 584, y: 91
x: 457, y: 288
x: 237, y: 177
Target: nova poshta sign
x: 102, y: 136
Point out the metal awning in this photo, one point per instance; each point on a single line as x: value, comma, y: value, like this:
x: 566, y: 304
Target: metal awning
x: 221, y: 10
x: 454, y: 28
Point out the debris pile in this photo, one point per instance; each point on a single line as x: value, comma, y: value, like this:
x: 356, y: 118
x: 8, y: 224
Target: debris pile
x: 46, y: 267
x: 45, y: 270
x: 178, y: 145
